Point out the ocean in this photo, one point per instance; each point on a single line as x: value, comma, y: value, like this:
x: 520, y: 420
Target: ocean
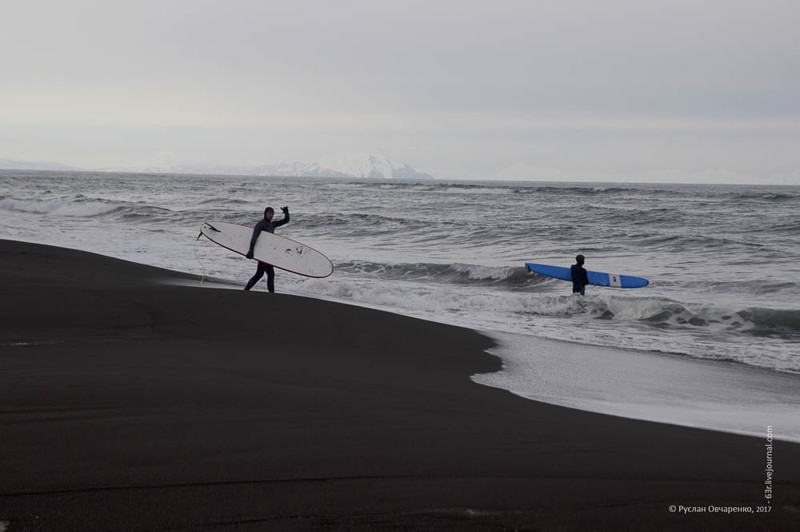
x: 723, y: 261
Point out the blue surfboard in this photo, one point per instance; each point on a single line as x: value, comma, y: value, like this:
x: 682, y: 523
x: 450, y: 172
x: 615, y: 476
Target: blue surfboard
x: 613, y: 280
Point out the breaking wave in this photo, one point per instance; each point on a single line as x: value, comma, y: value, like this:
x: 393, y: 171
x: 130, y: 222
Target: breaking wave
x: 666, y: 313
x: 79, y: 206
x: 444, y: 273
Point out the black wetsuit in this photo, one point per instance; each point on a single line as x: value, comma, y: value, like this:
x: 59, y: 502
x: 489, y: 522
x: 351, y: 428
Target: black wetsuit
x: 263, y: 267
x: 579, y: 279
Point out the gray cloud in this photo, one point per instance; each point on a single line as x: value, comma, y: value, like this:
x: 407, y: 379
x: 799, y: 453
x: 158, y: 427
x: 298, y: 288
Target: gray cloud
x: 454, y: 85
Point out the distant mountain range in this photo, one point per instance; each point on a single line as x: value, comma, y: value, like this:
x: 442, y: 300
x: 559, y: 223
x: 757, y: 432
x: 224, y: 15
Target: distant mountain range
x: 10, y: 164
x: 366, y: 165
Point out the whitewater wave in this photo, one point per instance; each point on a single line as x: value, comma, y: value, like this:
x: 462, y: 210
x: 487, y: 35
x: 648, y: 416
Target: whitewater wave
x: 76, y: 206
x: 665, y: 313
x: 79, y: 206
x: 456, y: 273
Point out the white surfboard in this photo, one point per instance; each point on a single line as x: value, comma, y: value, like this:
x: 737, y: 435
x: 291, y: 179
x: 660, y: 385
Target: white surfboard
x: 281, y: 252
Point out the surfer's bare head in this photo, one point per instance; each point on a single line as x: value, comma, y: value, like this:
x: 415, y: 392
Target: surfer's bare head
x: 269, y: 212
x: 579, y: 259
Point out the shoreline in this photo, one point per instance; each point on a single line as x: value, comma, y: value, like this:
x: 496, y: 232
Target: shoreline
x: 690, y: 392
x: 170, y: 277
x: 165, y: 406
x: 752, y: 374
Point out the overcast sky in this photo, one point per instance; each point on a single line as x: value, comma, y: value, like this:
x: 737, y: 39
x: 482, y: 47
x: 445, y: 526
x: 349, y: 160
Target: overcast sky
x: 580, y: 89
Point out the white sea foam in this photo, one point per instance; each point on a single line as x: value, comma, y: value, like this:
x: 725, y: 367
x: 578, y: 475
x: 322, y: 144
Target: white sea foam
x: 641, y: 385
x: 479, y: 272
x: 77, y: 207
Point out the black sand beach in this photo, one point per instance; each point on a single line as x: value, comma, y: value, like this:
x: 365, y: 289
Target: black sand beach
x: 129, y: 403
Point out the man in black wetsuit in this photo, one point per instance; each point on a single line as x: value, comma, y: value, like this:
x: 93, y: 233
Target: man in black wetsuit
x: 579, y: 276
x: 265, y: 225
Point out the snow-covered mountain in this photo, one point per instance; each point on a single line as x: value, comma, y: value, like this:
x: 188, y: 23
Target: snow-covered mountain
x: 9, y: 164
x: 372, y: 166
x: 295, y: 169
x: 366, y: 165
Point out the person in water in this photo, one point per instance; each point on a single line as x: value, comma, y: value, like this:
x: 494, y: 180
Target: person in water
x: 579, y: 276
x: 265, y: 225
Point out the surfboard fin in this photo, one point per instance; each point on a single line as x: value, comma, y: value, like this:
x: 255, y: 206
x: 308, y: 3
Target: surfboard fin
x: 210, y: 227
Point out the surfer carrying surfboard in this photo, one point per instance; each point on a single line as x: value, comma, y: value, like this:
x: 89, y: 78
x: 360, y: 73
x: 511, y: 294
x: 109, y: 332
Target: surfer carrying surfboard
x: 265, y: 225
x: 580, y: 278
